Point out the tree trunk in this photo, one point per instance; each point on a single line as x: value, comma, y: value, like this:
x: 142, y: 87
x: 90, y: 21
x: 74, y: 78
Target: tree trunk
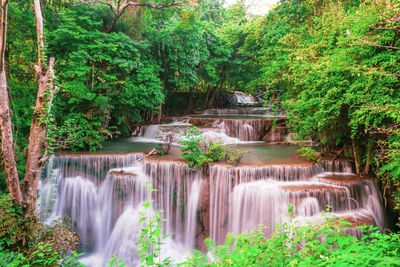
x: 368, y: 163
x: 159, y: 113
x: 205, y: 104
x: 217, y: 87
x: 38, y: 129
x: 7, y: 140
x: 355, y: 157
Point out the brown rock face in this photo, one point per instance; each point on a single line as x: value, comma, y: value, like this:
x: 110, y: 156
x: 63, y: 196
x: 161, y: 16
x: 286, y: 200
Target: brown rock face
x: 355, y: 222
x: 203, y: 223
x: 340, y: 179
x: 307, y: 188
x: 276, y: 134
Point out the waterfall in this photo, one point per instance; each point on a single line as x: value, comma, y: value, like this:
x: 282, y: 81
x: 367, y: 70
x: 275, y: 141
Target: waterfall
x: 103, y: 195
x: 245, y: 129
x: 191, y: 213
x: 243, y: 198
x: 105, y: 206
x: 176, y: 186
x: 255, y: 203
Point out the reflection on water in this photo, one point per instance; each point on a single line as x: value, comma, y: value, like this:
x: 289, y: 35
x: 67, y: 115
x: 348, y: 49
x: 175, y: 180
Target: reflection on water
x: 125, y: 145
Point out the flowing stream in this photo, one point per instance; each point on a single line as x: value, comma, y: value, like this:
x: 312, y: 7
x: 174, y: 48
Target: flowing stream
x: 103, y: 194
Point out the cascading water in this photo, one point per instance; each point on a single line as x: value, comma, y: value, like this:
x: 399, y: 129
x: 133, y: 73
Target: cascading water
x: 105, y: 211
x: 103, y: 193
x: 244, y: 111
x: 239, y: 98
x: 243, y: 198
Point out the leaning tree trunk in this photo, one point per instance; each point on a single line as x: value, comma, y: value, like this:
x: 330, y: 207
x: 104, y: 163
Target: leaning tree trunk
x: 37, y: 137
x: 7, y: 140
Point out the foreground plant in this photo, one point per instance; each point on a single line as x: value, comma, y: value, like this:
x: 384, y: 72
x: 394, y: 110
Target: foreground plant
x: 151, y: 235
x: 25, y: 241
x: 323, y: 244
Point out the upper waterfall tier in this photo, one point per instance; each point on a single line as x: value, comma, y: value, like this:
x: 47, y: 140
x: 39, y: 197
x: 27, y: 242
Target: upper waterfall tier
x: 245, y: 111
x: 253, y: 129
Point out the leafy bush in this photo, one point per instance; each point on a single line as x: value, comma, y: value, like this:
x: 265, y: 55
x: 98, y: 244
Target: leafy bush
x: 197, y: 153
x: 15, y: 230
x: 324, y: 244
x: 191, y: 149
x: 233, y: 154
x: 38, y: 243
x: 215, y: 151
x: 219, y: 152
x: 11, y: 258
x: 77, y: 133
x: 309, y: 154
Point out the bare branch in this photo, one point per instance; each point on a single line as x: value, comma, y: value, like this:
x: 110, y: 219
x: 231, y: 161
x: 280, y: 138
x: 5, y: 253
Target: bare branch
x: 376, y: 45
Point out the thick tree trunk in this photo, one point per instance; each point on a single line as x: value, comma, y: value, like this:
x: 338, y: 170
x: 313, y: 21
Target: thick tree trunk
x: 217, y: 88
x: 7, y: 140
x: 159, y: 113
x: 205, y: 104
x: 38, y: 129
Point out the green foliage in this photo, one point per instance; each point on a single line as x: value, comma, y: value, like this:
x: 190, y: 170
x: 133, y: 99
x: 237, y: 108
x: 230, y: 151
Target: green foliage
x: 191, y: 148
x: 309, y: 154
x: 324, y: 244
x: 215, y: 151
x: 218, y: 152
x: 10, y: 258
x: 36, y: 243
x: 114, y: 262
x: 197, y: 153
x: 334, y: 65
x: 106, y: 80
x: 151, y: 236
x: 76, y: 133
x: 233, y: 154
x: 15, y: 230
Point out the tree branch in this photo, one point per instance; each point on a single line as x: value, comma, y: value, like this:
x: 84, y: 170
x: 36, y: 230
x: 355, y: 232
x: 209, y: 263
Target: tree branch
x: 121, y: 9
x: 376, y: 45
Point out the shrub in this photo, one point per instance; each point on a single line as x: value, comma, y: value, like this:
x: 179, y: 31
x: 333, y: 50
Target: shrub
x: 197, y: 153
x: 38, y: 243
x: 191, y: 148
x: 215, y: 151
x: 323, y: 244
x: 309, y: 154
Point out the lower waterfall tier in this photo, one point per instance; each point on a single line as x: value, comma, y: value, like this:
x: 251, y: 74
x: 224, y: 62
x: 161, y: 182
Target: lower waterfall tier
x: 103, y: 196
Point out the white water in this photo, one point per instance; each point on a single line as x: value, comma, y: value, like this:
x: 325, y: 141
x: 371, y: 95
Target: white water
x: 106, y: 213
x: 158, y: 133
x: 245, y: 111
x: 239, y: 98
x: 103, y: 195
x: 243, y: 198
x: 191, y: 214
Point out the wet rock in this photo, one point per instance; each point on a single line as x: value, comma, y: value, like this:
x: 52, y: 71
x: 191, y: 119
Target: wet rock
x: 310, y: 187
x: 340, y: 179
x: 276, y: 134
x: 203, y: 224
